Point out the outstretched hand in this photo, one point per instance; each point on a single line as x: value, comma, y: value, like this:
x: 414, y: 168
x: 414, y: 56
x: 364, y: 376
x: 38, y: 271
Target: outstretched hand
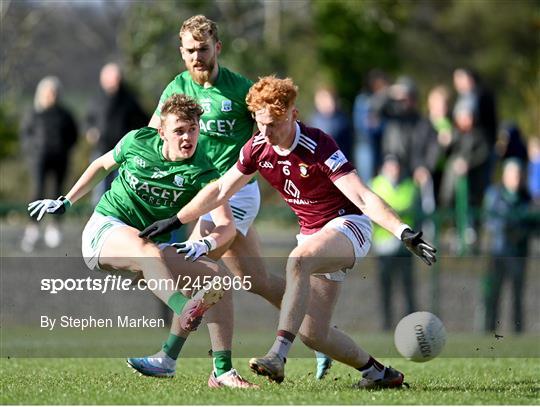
x: 40, y: 207
x: 414, y: 242
x: 160, y: 227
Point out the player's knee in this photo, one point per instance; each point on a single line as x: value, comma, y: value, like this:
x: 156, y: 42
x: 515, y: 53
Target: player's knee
x: 299, y: 264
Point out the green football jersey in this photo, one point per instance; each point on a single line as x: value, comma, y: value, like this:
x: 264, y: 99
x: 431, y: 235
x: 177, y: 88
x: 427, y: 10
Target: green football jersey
x: 148, y: 187
x: 226, y: 124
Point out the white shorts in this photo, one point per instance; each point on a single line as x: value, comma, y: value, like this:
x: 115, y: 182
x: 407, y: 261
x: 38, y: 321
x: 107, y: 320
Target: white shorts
x: 244, y: 205
x: 96, y: 231
x: 358, y: 229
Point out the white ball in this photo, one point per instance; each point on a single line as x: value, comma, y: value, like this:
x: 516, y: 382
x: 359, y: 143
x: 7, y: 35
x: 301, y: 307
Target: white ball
x: 420, y: 336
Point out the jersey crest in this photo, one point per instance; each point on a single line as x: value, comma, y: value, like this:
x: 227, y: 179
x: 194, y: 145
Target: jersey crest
x: 226, y: 105
x: 303, y: 170
x: 178, y: 181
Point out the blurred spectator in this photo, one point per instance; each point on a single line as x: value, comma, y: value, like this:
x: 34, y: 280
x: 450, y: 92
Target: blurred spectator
x: 508, y: 225
x: 395, y: 262
x: 510, y: 143
x: 438, y: 108
x: 407, y: 134
x: 473, y: 93
x: 48, y: 132
x: 112, y: 114
x: 469, y: 158
x: 332, y: 120
x: 369, y: 124
x: 470, y: 89
x: 534, y: 169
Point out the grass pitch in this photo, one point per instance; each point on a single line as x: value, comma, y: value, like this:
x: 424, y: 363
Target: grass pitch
x: 473, y: 369
x: 110, y: 381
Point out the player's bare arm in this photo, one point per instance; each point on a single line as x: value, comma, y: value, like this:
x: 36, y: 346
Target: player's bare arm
x: 93, y: 175
x: 380, y: 212
x: 225, y: 229
x: 214, y: 194
x: 369, y: 202
x: 210, y: 197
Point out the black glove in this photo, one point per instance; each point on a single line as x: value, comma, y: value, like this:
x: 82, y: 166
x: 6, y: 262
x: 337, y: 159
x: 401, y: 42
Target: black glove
x: 53, y: 206
x: 160, y: 227
x: 414, y: 242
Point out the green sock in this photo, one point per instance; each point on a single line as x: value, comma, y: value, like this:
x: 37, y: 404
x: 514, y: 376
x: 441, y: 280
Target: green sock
x: 176, y: 302
x: 173, y: 345
x: 222, y: 361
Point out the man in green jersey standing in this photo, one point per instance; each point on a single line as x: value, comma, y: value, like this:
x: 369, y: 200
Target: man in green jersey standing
x: 160, y: 170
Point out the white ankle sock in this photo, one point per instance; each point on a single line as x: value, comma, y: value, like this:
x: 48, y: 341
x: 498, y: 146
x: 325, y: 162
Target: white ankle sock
x: 281, y: 347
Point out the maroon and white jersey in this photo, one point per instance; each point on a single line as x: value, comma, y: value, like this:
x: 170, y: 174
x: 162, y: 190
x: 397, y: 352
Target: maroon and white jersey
x: 303, y: 175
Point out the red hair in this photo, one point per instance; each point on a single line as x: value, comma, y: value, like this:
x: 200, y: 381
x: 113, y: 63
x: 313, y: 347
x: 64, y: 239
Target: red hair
x: 276, y: 95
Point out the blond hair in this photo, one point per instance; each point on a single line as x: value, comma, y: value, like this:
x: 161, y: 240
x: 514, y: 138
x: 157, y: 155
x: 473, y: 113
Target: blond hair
x: 276, y: 95
x: 200, y: 27
x: 183, y: 107
x: 46, y: 84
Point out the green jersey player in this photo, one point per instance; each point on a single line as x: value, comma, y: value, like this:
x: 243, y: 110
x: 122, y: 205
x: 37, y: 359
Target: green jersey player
x: 148, y: 185
x: 160, y: 170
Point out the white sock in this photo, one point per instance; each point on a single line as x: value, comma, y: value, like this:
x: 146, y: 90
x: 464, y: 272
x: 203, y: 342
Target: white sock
x: 281, y: 347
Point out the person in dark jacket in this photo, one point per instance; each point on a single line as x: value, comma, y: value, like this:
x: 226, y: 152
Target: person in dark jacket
x: 507, y: 209
x: 469, y: 157
x: 408, y: 135
x: 112, y: 114
x: 48, y: 132
x: 470, y: 89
